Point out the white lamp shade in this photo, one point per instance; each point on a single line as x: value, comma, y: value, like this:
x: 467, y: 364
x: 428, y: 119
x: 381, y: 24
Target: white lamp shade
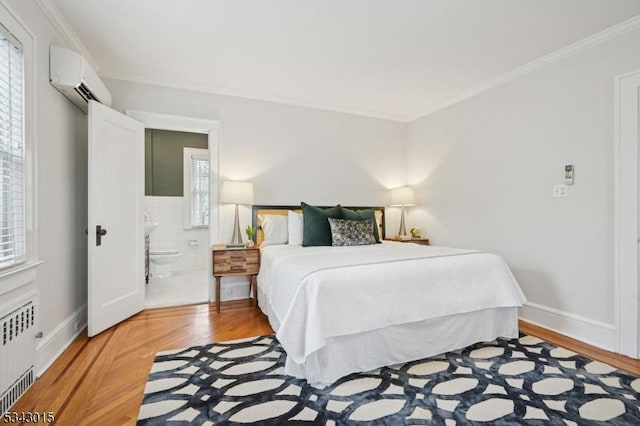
x: 403, y: 196
x: 237, y: 192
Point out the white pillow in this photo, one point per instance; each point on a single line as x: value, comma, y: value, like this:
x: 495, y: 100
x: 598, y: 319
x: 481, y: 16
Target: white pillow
x: 274, y: 228
x: 295, y: 228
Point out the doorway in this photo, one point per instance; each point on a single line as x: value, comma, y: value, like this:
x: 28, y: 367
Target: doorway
x: 181, y: 199
x: 176, y: 212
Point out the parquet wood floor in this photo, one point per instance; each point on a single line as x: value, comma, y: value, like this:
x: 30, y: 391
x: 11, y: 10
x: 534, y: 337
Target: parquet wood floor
x: 100, y: 381
x: 619, y: 361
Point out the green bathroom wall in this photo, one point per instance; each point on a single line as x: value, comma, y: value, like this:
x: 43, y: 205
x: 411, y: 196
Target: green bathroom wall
x: 163, y: 151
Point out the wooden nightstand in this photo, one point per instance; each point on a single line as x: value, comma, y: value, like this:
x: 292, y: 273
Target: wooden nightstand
x: 229, y: 262
x: 421, y: 241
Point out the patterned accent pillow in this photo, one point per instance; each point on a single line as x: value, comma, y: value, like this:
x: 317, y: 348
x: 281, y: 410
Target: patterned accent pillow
x: 351, y: 232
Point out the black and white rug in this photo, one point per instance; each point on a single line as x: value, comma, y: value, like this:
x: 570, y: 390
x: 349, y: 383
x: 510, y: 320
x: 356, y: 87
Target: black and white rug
x: 505, y: 382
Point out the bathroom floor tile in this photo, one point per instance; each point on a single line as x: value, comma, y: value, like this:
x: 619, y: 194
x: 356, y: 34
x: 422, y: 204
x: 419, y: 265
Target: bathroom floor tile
x: 182, y: 288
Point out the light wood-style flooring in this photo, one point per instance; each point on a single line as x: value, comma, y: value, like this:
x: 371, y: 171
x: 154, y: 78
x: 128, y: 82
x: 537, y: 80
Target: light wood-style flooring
x: 100, y: 381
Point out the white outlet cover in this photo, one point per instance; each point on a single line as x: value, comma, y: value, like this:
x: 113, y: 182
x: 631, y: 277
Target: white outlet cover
x: 560, y: 191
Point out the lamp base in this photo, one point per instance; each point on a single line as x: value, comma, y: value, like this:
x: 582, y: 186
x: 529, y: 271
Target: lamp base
x: 236, y: 238
x: 402, y: 232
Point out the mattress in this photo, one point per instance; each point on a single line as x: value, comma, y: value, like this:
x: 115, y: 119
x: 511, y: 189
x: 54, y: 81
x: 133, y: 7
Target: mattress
x: 317, y: 297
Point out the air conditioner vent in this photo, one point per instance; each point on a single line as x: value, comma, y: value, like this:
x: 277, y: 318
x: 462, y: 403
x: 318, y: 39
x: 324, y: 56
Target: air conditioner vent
x: 72, y: 75
x: 84, y: 91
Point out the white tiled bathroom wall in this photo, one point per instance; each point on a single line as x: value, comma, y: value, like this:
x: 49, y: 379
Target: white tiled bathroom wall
x: 170, y: 233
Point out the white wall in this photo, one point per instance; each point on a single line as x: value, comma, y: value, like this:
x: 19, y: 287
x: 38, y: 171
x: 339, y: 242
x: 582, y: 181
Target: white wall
x: 61, y: 200
x: 168, y: 212
x: 485, y: 169
x: 291, y: 154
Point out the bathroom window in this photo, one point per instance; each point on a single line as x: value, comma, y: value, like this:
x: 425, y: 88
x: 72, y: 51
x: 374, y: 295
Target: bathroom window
x: 196, y: 187
x: 12, y: 152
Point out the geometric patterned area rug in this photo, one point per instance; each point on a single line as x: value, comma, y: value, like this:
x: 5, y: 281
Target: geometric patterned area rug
x: 504, y: 382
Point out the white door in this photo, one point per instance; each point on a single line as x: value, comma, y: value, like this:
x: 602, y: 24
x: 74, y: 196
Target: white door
x: 115, y: 217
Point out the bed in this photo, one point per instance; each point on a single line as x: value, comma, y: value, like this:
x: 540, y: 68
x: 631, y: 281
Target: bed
x: 339, y: 310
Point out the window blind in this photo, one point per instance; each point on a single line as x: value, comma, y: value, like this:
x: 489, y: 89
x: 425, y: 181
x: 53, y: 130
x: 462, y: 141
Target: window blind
x: 12, y: 161
x: 199, y: 191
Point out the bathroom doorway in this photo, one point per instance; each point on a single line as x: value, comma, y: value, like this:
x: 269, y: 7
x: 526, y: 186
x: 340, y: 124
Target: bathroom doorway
x: 176, y: 205
x: 181, y: 190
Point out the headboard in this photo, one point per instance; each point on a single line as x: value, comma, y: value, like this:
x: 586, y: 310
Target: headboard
x: 283, y: 210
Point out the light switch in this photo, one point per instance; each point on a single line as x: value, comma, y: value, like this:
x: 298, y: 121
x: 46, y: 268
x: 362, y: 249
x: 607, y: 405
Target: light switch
x: 560, y: 191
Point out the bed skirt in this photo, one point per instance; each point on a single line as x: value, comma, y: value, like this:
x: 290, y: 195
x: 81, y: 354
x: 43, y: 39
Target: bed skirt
x: 367, y: 351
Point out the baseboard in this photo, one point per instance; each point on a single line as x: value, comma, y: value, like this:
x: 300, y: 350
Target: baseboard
x: 596, y: 333
x: 54, y: 343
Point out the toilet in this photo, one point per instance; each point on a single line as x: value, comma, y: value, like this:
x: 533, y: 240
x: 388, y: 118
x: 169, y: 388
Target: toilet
x: 162, y: 260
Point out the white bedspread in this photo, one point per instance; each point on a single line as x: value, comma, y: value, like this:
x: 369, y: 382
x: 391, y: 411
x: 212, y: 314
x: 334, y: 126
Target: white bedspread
x: 314, y: 293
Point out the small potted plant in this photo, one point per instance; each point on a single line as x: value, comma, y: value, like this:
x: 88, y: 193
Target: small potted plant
x: 251, y: 232
x: 415, y: 233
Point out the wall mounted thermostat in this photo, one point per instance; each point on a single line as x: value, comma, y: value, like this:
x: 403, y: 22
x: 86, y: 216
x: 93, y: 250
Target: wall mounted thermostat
x: 568, y: 174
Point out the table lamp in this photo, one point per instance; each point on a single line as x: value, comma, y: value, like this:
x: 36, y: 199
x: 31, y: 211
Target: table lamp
x: 236, y: 193
x: 403, y: 197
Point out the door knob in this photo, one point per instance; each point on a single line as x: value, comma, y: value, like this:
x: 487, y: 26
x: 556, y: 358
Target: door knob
x: 99, y: 234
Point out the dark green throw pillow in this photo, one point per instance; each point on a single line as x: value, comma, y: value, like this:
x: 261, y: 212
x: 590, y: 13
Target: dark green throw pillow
x: 315, y: 224
x: 362, y: 215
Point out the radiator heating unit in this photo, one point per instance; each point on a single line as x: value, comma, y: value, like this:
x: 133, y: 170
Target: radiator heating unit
x: 17, y: 353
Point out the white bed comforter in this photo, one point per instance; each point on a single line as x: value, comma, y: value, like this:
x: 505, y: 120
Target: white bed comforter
x: 314, y: 293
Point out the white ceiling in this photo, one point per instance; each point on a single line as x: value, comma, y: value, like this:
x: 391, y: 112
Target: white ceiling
x: 395, y: 59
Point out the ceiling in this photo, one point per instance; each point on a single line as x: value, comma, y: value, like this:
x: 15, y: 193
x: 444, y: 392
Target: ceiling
x: 395, y: 59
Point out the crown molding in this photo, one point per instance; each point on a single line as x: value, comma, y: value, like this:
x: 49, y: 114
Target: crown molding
x: 52, y: 12
x: 246, y: 94
x: 610, y: 33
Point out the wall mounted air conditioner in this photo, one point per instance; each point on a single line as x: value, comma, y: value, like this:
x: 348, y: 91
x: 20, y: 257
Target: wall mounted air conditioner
x: 71, y: 74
